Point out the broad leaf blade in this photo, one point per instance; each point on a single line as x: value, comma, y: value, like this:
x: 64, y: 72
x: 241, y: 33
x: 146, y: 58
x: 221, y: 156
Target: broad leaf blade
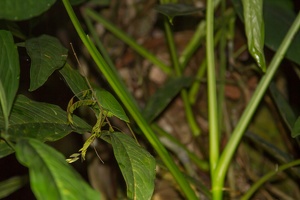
x: 255, y: 30
x: 50, y: 175
x: 136, y: 164
x: 43, y: 121
x: 163, y: 96
x: 23, y: 9
x: 9, y: 74
x: 74, y: 79
x: 47, y: 55
x: 109, y: 103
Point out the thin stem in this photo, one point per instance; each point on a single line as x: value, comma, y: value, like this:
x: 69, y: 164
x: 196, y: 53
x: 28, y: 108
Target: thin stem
x: 188, y: 109
x: 225, y: 159
x: 212, y: 96
x: 130, y: 104
x: 267, y: 177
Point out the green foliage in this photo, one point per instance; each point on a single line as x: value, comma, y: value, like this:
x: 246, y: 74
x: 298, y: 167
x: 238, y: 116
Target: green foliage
x: 9, y: 73
x: 163, y: 96
x: 111, y: 105
x: 47, y: 55
x: 11, y: 185
x: 255, y: 30
x: 283, y: 12
x: 23, y: 9
x: 50, y: 175
x: 43, y: 121
x: 136, y: 164
x: 26, y: 124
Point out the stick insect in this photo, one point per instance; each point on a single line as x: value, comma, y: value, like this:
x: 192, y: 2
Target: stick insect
x: 103, y: 104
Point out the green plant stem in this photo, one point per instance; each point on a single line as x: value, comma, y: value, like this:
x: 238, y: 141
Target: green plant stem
x: 222, y: 65
x: 193, y: 44
x: 192, y: 94
x: 267, y: 177
x: 130, y: 104
x: 220, y: 171
x: 194, y: 89
x: 212, y: 92
x: 188, y: 109
x: 128, y: 40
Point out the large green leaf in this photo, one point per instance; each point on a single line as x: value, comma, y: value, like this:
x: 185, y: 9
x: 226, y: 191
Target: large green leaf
x: 42, y: 121
x: 47, y: 55
x: 74, y: 79
x: 23, y: 9
x: 50, y: 175
x: 9, y: 74
x: 255, y: 30
x: 109, y: 103
x: 136, y: 164
x: 278, y: 17
x: 163, y: 96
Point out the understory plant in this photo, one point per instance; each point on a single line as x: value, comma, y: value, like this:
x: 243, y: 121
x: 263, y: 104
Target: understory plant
x: 218, y: 163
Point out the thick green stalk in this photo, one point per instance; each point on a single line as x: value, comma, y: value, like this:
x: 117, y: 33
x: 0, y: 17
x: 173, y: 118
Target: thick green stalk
x: 231, y: 146
x: 128, y: 101
x: 267, y: 177
x: 128, y: 40
x: 188, y: 110
x: 212, y: 90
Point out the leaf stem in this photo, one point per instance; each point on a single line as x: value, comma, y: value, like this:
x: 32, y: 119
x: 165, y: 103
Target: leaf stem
x: 267, y: 177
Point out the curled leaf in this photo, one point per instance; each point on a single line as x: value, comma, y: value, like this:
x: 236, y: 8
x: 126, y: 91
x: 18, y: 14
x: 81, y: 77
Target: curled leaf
x: 255, y: 31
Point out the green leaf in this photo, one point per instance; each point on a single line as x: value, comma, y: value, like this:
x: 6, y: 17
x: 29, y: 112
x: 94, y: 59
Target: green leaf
x: 163, y: 96
x: 47, y: 55
x: 74, y: 79
x: 278, y: 17
x: 172, y: 10
x: 136, y: 164
x: 43, y: 121
x: 283, y: 106
x: 50, y: 175
x: 296, y: 128
x: 11, y: 185
x: 9, y: 74
x: 5, y: 150
x: 255, y: 30
x: 109, y: 103
x: 23, y: 9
